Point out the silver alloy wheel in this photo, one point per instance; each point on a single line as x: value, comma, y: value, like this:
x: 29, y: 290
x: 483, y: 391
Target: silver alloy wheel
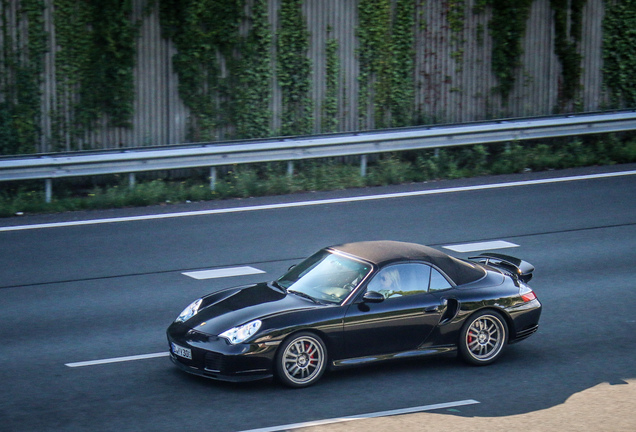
x: 303, y: 360
x: 485, y: 337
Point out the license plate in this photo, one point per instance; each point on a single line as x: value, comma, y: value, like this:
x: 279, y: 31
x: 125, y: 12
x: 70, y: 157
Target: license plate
x: 181, y: 351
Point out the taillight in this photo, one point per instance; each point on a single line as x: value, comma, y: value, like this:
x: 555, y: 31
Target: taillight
x: 529, y: 296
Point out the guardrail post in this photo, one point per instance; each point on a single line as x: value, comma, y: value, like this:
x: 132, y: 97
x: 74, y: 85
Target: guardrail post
x: 290, y: 168
x: 212, y: 178
x: 363, y: 166
x: 131, y: 180
x: 48, y: 190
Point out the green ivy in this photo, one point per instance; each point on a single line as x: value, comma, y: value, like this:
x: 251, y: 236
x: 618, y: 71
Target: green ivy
x: 403, y: 100
x: 94, y: 65
x: 202, y: 30
x: 107, y: 82
x: 252, y: 92
x: 332, y: 79
x: 373, y: 33
x: 72, y: 35
x: 507, y: 27
x: 567, y: 39
x: 235, y: 99
x: 456, y: 17
x: 386, y: 58
x: 294, y: 70
x: 479, y: 6
x: 619, y: 52
x: 385, y: 69
x: 21, y: 67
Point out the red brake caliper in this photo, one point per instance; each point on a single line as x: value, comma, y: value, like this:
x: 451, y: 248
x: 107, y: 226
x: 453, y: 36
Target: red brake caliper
x: 311, y: 355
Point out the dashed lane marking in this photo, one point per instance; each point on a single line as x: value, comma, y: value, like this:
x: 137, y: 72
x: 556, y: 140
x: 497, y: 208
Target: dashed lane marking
x: 117, y: 359
x: 481, y: 246
x: 224, y: 272
x: 366, y: 416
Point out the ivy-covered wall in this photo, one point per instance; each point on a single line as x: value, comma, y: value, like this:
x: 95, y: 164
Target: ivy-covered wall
x: 386, y: 56
x: 23, y: 43
x: 81, y: 74
x: 94, y: 60
x: 619, y: 52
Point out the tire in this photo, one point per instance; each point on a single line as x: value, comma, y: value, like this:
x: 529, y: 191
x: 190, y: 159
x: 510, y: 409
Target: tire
x: 483, y: 338
x: 301, y: 360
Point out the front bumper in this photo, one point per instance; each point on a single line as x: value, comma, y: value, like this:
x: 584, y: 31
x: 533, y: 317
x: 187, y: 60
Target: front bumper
x: 215, y: 358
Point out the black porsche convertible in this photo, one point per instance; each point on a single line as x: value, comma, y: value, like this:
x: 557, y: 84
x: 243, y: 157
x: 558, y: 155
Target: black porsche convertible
x: 354, y: 304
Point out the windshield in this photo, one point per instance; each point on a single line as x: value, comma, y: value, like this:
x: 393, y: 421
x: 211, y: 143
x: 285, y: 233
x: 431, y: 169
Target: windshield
x: 325, y: 276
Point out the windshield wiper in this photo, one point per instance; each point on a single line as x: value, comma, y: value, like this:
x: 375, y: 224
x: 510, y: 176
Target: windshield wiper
x: 303, y: 295
x: 279, y: 286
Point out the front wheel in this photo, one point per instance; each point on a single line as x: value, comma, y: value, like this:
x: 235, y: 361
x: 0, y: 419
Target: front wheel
x: 301, y: 360
x: 483, y: 338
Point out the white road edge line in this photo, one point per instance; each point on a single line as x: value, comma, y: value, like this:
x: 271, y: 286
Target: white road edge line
x: 224, y: 272
x: 481, y: 246
x: 117, y: 359
x: 365, y: 416
x: 318, y: 202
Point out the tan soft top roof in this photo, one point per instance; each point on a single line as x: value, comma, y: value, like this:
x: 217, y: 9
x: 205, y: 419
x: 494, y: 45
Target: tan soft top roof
x: 385, y: 252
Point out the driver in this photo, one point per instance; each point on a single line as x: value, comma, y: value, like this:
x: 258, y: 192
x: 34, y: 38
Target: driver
x: 389, y: 282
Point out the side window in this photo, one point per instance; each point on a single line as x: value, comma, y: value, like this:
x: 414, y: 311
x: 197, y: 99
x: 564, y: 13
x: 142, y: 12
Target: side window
x: 400, y: 280
x: 438, y: 282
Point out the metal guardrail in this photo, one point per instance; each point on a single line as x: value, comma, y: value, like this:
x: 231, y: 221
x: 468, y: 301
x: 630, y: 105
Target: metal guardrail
x: 49, y: 167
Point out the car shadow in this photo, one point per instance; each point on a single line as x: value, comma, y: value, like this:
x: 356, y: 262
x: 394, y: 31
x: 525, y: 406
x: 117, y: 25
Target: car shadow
x: 523, y: 380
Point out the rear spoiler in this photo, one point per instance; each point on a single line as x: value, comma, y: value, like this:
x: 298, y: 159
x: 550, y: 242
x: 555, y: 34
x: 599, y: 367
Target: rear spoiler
x: 519, y: 268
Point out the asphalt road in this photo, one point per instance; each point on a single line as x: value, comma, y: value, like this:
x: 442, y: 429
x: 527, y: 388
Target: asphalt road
x: 75, y: 293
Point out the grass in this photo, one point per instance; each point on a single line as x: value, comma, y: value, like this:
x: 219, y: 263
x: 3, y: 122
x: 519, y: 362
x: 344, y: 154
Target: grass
x: 328, y: 174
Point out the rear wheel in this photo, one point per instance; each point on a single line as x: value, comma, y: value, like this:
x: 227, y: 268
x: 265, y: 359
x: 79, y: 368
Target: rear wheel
x: 301, y: 360
x: 483, y: 338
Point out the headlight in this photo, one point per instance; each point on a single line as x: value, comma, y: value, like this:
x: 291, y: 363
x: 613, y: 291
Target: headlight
x: 189, y: 312
x: 239, y: 334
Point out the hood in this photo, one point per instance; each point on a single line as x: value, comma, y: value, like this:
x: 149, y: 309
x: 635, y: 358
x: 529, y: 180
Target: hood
x: 229, y: 308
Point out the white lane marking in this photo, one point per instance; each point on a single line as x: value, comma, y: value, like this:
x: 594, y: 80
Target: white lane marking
x: 224, y: 272
x: 318, y: 202
x: 481, y: 246
x: 117, y: 359
x: 365, y: 416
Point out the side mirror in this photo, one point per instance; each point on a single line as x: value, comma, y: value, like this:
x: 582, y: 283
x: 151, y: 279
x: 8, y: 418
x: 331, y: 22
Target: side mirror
x: 372, y: 297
